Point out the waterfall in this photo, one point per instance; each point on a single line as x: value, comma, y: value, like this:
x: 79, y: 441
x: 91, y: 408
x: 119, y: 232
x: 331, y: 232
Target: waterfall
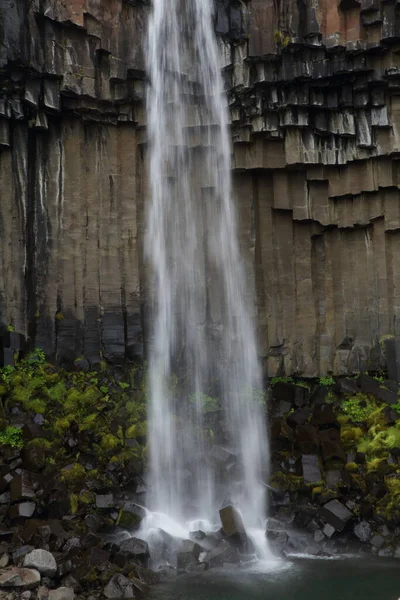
x: 203, y: 363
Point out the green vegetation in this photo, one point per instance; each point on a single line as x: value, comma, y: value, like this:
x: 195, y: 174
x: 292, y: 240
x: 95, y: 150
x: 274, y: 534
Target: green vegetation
x: 326, y: 381
x: 359, y: 407
x: 11, y: 328
x: 11, y: 436
x: 281, y: 40
x: 276, y: 380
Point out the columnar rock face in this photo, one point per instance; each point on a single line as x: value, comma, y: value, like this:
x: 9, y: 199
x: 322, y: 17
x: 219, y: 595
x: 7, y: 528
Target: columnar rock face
x: 313, y: 93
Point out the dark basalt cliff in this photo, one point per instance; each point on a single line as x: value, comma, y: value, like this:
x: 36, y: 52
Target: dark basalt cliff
x: 314, y: 100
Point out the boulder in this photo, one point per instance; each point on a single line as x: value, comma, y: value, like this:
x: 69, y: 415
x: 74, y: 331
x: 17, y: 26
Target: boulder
x: 336, y: 514
x: 324, y: 417
x: 298, y: 417
x: 41, y: 560
x: 23, y: 510
x: 16, y: 577
x: 221, y: 554
x: 137, y: 548
x: 119, y: 586
x: 310, y: 468
x: 232, y: 523
x: 363, y: 531
x: 131, y: 515
x: 333, y: 478
x: 277, y: 541
x: 4, y: 560
x: 62, y: 593
x: 328, y: 530
x: 104, y: 500
x: 369, y: 385
x: 98, y: 556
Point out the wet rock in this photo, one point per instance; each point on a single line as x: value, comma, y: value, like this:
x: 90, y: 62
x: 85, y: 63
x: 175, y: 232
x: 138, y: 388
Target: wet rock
x: 23, y: 510
x: 5, y: 498
x: 331, y: 445
x: 137, y: 548
x: 310, y: 468
x: 277, y: 541
x: 336, y: 514
x: 232, y: 523
x: 197, y: 535
x: 16, y: 577
x: 363, y: 531
x: 62, y: 593
x: 41, y: 560
x: 377, y: 541
x: 222, y: 553
x: 328, y: 530
x: 131, y: 515
x: 104, y: 500
x: 119, y: 586
x: 369, y: 385
x: 347, y: 386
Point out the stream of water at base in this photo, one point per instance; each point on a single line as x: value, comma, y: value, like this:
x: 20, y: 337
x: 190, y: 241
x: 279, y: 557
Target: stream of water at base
x: 203, y: 361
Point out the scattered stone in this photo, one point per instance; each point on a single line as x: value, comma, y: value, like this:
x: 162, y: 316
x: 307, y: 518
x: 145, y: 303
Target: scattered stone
x: 39, y: 419
x: 336, y: 514
x: 104, y: 500
x: 5, y: 498
x: 363, y: 531
x: 43, y: 561
x: 311, y: 468
x: 333, y: 478
x: 98, y: 556
x: 22, y: 487
x: 278, y: 541
x: 222, y: 553
x: 26, y: 595
x: 24, y: 579
x: 328, y: 530
x: 119, y: 586
x: 62, y: 593
x: 4, y: 560
x: 23, y: 510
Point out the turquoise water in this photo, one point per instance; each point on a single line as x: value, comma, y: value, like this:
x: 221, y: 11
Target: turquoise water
x: 361, y: 579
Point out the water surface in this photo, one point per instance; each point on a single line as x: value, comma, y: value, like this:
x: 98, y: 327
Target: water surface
x: 361, y: 579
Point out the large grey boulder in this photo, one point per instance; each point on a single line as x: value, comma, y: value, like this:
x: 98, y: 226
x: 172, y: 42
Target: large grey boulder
x: 23, y: 579
x: 336, y: 514
x: 41, y: 560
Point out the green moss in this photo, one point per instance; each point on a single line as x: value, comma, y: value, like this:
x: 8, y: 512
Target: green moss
x: 276, y: 380
x: 136, y: 430
x: 351, y: 467
x: 109, y: 443
x: 12, y: 437
x: 350, y: 436
x: 73, y: 475
x: 326, y: 381
x: 86, y: 497
x: 286, y: 481
x: 74, y: 503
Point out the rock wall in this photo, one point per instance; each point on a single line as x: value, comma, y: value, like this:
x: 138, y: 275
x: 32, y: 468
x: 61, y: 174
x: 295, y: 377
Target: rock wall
x: 313, y: 93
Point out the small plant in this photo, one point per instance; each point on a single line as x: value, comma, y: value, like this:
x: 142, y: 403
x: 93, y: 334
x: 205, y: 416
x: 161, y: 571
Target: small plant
x: 11, y: 328
x: 276, y: 380
x: 59, y: 316
x: 358, y: 408
x: 281, y: 40
x: 104, y: 389
x: 11, y: 436
x: 396, y: 407
x: 6, y: 373
x: 37, y: 356
x: 123, y: 385
x: 326, y: 381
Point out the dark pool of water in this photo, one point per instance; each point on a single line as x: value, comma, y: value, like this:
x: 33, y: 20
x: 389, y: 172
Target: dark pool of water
x: 361, y: 579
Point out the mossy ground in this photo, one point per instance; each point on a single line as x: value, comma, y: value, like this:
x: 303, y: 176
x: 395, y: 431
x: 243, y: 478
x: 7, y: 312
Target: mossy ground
x: 89, y: 418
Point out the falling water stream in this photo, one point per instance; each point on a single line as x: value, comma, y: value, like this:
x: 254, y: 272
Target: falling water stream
x: 203, y: 360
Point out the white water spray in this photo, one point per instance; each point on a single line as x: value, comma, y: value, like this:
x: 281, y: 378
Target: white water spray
x: 202, y: 325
